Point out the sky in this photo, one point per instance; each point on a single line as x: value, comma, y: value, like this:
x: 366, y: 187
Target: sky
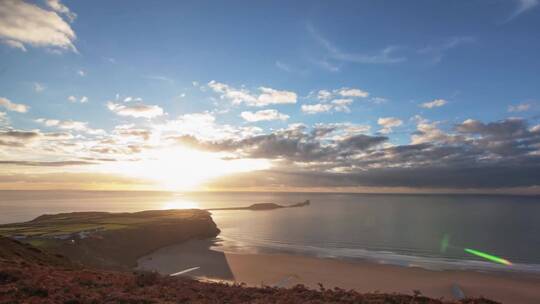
x: 350, y: 96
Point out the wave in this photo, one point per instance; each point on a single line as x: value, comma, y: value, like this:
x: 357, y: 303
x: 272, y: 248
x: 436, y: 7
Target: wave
x: 242, y: 244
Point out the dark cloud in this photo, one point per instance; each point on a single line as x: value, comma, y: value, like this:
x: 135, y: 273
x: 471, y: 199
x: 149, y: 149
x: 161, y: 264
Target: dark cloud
x: 46, y: 164
x: 482, y: 155
x: 294, y: 144
x: 22, y: 135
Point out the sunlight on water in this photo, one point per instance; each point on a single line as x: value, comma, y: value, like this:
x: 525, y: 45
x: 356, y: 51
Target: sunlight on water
x: 180, y: 204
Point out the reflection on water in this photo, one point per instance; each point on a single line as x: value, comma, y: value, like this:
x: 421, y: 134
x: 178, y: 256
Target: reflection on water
x: 180, y: 204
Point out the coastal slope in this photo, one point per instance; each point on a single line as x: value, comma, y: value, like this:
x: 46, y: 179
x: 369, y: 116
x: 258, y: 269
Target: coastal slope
x: 27, y: 277
x: 116, y: 240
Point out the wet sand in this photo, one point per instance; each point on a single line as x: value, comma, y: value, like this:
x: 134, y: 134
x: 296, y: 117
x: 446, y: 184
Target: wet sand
x: 288, y: 270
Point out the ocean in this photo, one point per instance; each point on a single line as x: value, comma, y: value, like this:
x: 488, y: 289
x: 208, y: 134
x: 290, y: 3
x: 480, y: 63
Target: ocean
x: 428, y: 231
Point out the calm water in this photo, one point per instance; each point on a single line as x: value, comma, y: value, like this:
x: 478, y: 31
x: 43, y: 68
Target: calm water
x: 397, y: 229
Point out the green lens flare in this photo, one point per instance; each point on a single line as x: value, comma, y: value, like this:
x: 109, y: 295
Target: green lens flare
x: 445, y: 242
x: 487, y: 256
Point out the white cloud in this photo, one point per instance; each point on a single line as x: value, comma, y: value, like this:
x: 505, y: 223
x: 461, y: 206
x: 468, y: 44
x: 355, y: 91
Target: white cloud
x: 38, y: 87
x: 135, y: 110
x: 267, y: 97
x: 434, y: 104
x: 388, y: 123
x: 519, y: 108
x: 204, y: 126
x: 342, y: 105
x: 23, y: 23
x: 316, y: 108
x: 74, y: 99
x: 263, y: 115
x: 324, y: 95
x: 11, y: 106
x: 66, y: 125
x: 271, y: 96
x: 70, y: 125
x: 58, y: 7
x: 81, y: 73
x: 346, y: 92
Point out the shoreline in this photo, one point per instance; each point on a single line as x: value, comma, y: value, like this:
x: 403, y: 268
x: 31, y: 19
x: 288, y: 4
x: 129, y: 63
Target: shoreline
x: 286, y: 270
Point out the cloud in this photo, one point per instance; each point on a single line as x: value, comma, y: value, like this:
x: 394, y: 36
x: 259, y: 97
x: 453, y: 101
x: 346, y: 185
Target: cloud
x: 388, y: 123
x: 434, y: 104
x: 74, y: 99
x: 11, y: 106
x: 346, y: 92
x: 70, y: 125
x: 263, y: 115
x: 342, y: 105
x: 18, y: 138
x: 58, y: 7
x: 159, y: 78
x: 66, y: 125
x: 522, y: 7
x: 324, y: 95
x: 316, y: 108
x: 135, y: 110
x: 203, y: 126
x: 23, y: 23
x: 519, y: 108
x: 46, y: 164
x: 379, y: 100
x: 268, y: 96
x: 283, y: 66
x: 383, y: 56
x: 437, y: 51
x: 81, y: 73
x: 38, y: 87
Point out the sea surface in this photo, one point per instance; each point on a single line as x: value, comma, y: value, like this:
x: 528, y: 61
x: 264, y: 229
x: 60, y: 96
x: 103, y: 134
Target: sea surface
x: 429, y: 231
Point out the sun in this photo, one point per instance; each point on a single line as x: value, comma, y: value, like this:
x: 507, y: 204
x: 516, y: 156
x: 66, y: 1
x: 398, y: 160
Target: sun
x: 182, y: 168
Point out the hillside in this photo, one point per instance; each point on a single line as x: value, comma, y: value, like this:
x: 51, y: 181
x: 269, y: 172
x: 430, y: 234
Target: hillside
x: 28, y: 275
x: 115, y: 240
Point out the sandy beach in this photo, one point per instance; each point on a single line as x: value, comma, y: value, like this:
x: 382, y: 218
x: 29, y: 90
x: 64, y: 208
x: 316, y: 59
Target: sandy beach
x: 288, y: 270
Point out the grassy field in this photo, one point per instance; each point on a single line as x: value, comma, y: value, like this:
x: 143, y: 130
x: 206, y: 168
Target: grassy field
x: 112, y: 239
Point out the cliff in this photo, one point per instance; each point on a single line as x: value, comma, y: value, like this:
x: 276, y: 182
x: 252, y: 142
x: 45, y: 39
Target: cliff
x: 114, y: 240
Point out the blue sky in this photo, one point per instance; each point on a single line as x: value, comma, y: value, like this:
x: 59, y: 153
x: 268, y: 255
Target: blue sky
x: 433, y: 62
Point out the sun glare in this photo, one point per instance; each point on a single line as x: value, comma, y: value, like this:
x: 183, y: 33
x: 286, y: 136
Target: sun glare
x: 184, y: 169
x: 180, y: 204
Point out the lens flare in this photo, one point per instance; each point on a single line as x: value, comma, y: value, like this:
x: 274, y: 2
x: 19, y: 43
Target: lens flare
x: 488, y: 257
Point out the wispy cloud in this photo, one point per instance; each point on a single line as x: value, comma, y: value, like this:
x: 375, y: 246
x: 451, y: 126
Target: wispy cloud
x: 437, y: 51
x: 159, y: 78
x: 519, y: 107
x: 38, y: 87
x: 522, y: 7
x: 383, y: 56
